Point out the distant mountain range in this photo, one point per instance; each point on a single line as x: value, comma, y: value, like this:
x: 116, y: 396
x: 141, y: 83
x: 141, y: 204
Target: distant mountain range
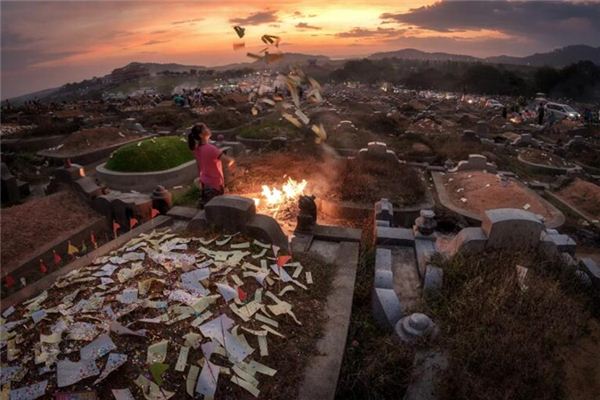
x: 556, y: 58
x: 315, y: 63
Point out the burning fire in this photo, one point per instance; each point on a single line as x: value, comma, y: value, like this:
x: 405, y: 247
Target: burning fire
x: 290, y: 191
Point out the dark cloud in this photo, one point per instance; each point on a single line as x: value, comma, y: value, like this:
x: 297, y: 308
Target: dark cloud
x: 549, y: 22
x: 20, y: 59
x: 13, y: 39
x: 187, y: 21
x: 153, y: 42
x: 257, y: 18
x: 365, y: 33
x: 304, y: 26
x: 159, y: 32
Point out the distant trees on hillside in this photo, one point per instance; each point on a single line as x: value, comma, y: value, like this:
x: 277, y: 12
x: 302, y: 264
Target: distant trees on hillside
x: 580, y: 81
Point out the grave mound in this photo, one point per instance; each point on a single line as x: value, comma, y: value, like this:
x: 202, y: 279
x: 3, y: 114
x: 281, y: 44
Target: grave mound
x: 156, y: 154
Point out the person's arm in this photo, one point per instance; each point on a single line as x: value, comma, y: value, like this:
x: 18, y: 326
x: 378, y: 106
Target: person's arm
x: 229, y: 161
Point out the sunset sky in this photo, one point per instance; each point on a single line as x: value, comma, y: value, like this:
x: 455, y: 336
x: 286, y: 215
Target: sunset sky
x: 46, y: 44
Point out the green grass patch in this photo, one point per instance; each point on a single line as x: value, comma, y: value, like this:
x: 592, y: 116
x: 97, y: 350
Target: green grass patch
x: 156, y: 154
x: 269, y: 128
x: 187, y: 197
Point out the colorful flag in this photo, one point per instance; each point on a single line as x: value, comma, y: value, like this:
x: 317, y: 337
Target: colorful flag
x: 57, y: 258
x: 241, y: 294
x: 282, y: 260
x: 155, y: 212
x: 132, y: 222
x: 93, y: 240
x: 83, y: 247
x: 72, y: 250
x: 116, y: 227
x: 9, y: 281
x: 43, y: 267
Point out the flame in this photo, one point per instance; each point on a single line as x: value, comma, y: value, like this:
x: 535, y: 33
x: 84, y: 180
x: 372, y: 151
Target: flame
x: 290, y: 191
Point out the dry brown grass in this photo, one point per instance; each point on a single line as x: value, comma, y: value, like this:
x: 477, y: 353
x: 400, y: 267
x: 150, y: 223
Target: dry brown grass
x: 503, y: 342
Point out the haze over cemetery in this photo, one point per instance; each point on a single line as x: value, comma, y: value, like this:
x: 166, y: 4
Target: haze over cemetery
x: 299, y: 200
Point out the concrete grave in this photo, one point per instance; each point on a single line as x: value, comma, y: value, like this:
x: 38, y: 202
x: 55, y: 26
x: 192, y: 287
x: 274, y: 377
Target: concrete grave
x: 377, y: 150
x: 230, y: 212
x: 475, y: 162
x: 511, y: 228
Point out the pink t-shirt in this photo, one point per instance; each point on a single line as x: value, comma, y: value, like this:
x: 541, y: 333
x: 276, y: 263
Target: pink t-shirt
x: 210, y: 168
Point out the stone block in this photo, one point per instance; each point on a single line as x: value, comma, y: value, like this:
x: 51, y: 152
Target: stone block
x: 336, y: 233
x: 88, y: 187
x: 383, y: 259
x: 103, y: 204
x: 592, y: 269
x: 467, y: 241
x: 386, y: 308
x: 69, y: 174
x: 511, y: 228
x: 424, y: 250
x: 180, y: 212
x: 434, y: 278
x: 230, y: 212
x: 266, y: 229
x: 563, y: 243
x: 394, y: 236
x: 384, y: 279
x: 198, y: 222
x: 469, y: 136
x: 300, y: 243
x: 131, y: 205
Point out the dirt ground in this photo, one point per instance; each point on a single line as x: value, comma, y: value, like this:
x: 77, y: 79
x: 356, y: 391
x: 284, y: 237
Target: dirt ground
x: 26, y: 227
x: 96, y: 138
x: 583, y: 195
x: 484, y: 191
x: 541, y: 157
x: 582, y: 367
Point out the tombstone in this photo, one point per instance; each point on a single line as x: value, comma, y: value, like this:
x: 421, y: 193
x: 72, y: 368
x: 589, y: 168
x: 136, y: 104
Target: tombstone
x: 476, y: 162
x: 69, y: 174
x: 131, y: 205
x: 230, y: 212
x: 470, y: 240
x: 266, y: 229
x: 377, y: 151
x: 386, y: 307
x: 511, y: 228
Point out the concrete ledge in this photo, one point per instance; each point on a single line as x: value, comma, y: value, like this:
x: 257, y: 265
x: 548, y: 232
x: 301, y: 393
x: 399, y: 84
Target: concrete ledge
x: 97, y: 225
x: 88, y: 157
x: 557, y: 220
x: 44, y: 283
x: 590, y: 219
x: 336, y: 233
x: 322, y: 372
x: 546, y: 169
x: 147, y: 181
x: 394, y: 236
x: 32, y: 143
x: 180, y: 212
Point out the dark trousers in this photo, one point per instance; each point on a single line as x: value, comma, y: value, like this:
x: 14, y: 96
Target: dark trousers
x: 208, y: 193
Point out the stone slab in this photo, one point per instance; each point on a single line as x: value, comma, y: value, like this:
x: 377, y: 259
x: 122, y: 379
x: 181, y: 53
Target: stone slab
x: 322, y: 372
x: 337, y: 233
x: 394, y: 236
x: 180, y: 212
x: 300, y: 242
x: 383, y: 259
x: 424, y: 250
x: 384, y: 279
x: 434, y: 278
x: 386, y: 308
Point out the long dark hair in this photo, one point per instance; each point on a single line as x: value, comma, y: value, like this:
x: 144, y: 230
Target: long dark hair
x: 194, y: 136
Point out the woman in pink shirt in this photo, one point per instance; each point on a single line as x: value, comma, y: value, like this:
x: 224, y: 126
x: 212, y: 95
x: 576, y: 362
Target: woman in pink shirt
x: 210, y: 163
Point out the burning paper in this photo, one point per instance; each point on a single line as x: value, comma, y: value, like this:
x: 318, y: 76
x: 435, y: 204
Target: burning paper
x: 240, y: 31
